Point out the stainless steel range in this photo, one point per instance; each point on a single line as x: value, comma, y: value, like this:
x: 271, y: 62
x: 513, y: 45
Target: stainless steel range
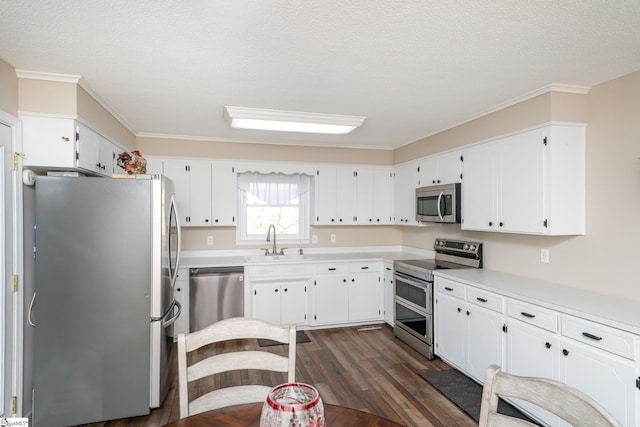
x: 413, y: 290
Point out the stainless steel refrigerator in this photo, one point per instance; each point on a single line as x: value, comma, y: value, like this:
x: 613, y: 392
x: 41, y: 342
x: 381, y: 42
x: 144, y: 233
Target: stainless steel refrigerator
x: 107, y: 254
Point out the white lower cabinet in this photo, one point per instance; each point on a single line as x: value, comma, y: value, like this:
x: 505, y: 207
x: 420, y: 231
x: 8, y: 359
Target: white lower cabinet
x: 469, y: 328
x: 599, y: 360
x: 281, y: 302
x: 347, y: 293
x: 181, y: 289
x: 388, y: 293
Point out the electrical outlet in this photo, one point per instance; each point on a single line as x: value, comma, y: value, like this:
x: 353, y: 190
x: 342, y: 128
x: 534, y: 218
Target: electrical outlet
x: 544, y: 255
x: 314, y: 239
x: 210, y: 240
x: 333, y: 238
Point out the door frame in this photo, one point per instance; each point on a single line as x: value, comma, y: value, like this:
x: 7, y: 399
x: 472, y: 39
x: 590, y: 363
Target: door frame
x: 12, y: 346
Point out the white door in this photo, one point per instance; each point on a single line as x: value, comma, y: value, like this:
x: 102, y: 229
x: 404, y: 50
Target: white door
x: 7, y: 368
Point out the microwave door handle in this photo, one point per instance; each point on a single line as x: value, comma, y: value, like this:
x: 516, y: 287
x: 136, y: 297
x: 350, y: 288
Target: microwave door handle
x: 439, y: 201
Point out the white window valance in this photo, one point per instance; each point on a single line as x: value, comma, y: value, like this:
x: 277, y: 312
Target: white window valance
x: 274, y: 189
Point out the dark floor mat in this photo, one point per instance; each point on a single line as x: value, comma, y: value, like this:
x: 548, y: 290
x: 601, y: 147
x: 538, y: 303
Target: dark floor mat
x: 466, y: 393
x: 301, y: 337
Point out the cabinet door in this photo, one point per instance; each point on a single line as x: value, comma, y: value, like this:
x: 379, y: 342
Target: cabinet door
x: 293, y: 303
x: 428, y: 171
x: 88, y: 149
x: 532, y: 352
x: 484, y: 340
x: 199, y: 181
x: 225, y: 192
x: 520, y: 207
x: 48, y: 141
x: 406, y: 181
x: 449, y: 329
x: 176, y: 170
x: 107, y: 157
x: 345, y: 195
x: 383, y: 205
x: 607, y: 378
x: 449, y: 167
x: 154, y: 165
x: 479, y: 206
x: 388, y: 294
x: 181, y: 288
x: 266, y: 302
x: 331, y: 300
x: 364, y: 297
x: 364, y: 193
x: 325, y: 196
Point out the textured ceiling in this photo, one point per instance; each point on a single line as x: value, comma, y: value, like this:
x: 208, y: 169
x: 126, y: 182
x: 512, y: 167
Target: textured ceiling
x: 413, y: 68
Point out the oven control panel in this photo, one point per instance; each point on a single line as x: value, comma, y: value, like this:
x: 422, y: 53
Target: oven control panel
x: 458, y: 247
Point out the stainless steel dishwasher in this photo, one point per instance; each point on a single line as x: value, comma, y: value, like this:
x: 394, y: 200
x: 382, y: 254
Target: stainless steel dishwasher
x: 215, y: 293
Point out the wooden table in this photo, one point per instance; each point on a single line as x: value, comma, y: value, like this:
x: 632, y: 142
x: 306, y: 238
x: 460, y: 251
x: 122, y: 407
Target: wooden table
x: 249, y: 415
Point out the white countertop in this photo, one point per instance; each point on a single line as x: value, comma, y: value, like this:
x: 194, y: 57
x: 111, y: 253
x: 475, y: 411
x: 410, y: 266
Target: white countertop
x: 613, y: 311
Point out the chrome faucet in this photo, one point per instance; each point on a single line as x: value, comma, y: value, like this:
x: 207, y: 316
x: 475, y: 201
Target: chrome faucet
x: 273, y: 251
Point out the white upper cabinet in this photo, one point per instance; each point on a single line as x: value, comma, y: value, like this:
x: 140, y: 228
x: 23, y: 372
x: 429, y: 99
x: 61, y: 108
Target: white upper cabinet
x: 406, y: 182
x: 53, y: 143
x: 531, y: 182
x: 325, y: 200
x: 224, y: 193
x: 351, y: 195
x: 441, y: 169
x: 192, y: 181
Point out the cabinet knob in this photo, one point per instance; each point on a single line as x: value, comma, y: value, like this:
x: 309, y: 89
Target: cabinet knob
x: 178, y: 289
x: 490, y: 224
x: 459, y: 309
x: 276, y: 289
x: 548, y: 345
x: 501, y: 224
x: 468, y: 313
x: 206, y: 220
x: 216, y: 220
x: 286, y: 289
x: 565, y: 352
x: 353, y: 280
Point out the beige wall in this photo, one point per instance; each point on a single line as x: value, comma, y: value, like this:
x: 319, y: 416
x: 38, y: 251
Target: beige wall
x: 267, y: 152
x: 8, y: 89
x: 605, y: 259
x: 91, y: 111
x: 63, y: 98
x: 555, y: 106
x: 47, y: 97
x: 195, y: 238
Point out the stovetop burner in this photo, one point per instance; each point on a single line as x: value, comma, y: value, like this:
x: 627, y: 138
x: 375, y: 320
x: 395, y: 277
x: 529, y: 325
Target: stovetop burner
x: 450, y: 254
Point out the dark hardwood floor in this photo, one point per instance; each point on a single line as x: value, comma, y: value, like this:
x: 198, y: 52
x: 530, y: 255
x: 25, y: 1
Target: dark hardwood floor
x: 369, y: 370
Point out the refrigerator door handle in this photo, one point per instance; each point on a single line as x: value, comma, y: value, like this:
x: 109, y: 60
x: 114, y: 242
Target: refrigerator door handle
x: 33, y: 300
x: 174, y: 274
x: 168, y: 322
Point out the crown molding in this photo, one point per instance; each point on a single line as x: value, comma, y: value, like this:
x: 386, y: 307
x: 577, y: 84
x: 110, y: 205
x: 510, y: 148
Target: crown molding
x: 53, y: 77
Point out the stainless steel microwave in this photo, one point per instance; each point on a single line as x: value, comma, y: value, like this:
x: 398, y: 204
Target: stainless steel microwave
x: 438, y: 203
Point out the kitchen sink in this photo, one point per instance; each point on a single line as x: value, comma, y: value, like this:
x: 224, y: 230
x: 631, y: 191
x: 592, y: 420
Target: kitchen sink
x: 270, y: 258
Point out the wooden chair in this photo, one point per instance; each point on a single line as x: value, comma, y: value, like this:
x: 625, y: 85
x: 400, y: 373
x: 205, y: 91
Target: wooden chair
x: 224, y: 330
x: 566, y: 402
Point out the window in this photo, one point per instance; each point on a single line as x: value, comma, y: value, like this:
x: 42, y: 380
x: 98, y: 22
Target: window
x: 274, y: 198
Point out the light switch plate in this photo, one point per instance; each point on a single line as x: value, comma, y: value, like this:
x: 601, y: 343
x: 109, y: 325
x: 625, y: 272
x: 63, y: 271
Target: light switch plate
x: 333, y: 238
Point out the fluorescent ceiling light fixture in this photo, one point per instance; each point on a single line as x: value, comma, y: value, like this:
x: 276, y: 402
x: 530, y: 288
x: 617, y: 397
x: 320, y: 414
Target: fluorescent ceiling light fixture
x: 290, y: 121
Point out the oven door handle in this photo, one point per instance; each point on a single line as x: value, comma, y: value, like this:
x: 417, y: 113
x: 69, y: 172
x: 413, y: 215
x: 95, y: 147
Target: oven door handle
x: 411, y: 281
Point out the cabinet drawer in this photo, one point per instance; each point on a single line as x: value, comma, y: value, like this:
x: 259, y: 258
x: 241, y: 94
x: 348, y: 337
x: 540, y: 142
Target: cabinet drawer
x: 364, y: 267
x: 264, y: 271
x: 533, y: 314
x: 332, y: 268
x: 297, y: 270
x: 601, y: 336
x: 485, y: 299
x: 450, y: 288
